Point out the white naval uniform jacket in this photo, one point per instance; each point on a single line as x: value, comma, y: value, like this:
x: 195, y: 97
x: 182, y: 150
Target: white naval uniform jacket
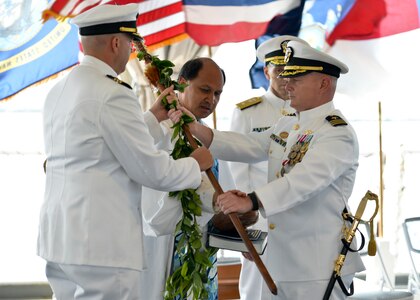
x: 256, y: 118
x: 304, y: 207
x: 248, y: 177
x: 100, y: 153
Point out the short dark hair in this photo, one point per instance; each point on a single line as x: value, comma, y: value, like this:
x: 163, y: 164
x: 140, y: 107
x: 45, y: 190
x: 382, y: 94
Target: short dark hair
x: 190, y: 69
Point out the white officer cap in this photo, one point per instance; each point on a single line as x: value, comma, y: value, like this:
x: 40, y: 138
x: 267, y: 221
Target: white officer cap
x: 301, y: 59
x: 108, y: 19
x: 273, y: 50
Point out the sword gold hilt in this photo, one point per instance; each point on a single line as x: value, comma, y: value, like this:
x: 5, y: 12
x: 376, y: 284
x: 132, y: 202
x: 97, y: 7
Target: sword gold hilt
x: 359, y: 214
x: 349, y: 233
x: 348, y: 238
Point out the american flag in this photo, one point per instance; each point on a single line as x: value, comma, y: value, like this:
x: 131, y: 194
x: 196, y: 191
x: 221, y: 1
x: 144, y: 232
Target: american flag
x: 161, y: 22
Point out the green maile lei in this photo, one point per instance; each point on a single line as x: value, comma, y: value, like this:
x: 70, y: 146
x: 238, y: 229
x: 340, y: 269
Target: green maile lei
x: 190, y: 278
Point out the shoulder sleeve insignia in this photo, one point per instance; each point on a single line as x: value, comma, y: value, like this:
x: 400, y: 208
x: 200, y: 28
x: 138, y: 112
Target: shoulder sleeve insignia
x: 119, y: 81
x: 336, y: 120
x: 248, y: 103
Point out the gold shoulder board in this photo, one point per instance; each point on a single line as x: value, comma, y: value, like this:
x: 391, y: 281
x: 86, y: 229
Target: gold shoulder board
x: 119, y: 81
x: 248, y: 103
x: 336, y: 120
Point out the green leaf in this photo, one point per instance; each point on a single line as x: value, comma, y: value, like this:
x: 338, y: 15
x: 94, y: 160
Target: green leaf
x: 176, y: 132
x: 164, y: 63
x: 197, y: 211
x: 140, y: 55
x: 168, y: 72
x: 197, y: 283
x: 202, y: 258
x: 187, y: 119
x: 178, y: 227
x: 180, y: 86
x: 184, y: 270
x: 196, y: 244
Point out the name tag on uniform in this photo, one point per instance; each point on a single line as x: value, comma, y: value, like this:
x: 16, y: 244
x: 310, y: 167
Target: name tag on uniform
x: 278, y: 140
x: 260, y: 129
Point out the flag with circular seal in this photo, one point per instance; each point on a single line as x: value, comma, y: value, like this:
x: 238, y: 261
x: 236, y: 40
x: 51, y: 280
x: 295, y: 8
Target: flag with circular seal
x: 31, y: 51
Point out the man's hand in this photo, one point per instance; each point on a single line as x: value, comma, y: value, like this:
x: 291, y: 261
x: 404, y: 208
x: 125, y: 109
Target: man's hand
x: 201, y: 132
x: 204, y: 158
x: 176, y: 114
x: 234, y: 201
x: 216, y: 208
x: 158, y: 109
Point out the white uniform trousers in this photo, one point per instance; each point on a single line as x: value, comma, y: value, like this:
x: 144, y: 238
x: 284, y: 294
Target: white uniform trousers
x: 250, y: 280
x: 305, y: 290
x: 93, y: 283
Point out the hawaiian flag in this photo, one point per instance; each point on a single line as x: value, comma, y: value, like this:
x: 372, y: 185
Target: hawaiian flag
x: 214, y: 22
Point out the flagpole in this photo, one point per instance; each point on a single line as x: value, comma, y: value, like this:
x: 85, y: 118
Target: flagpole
x: 381, y: 181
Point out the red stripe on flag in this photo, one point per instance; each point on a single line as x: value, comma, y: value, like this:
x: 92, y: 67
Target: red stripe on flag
x: 159, y: 13
x: 113, y: 2
x: 215, y: 35
x: 164, y: 34
x: 171, y: 33
x: 58, y: 5
x: 401, y: 16
x: 85, y: 9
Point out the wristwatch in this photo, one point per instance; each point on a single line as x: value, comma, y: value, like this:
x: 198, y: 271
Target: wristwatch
x: 254, y: 199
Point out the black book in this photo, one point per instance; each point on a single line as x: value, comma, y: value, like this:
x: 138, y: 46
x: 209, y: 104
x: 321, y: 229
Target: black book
x: 231, y: 240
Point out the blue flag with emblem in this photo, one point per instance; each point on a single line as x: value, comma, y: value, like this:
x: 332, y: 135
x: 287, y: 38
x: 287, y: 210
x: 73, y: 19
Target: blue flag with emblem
x: 322, y: 17
x: 31, y: 51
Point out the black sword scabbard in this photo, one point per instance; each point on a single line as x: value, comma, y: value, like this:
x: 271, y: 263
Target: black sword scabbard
x: 336, y: 273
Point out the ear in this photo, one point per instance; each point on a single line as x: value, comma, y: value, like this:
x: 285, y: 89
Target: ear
x: 325, y: 83
x: 182, y: 80
x: 115, y: 43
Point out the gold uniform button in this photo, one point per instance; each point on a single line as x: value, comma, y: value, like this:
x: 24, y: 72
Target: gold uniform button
x: 271, y: 151
x: 272, y: 226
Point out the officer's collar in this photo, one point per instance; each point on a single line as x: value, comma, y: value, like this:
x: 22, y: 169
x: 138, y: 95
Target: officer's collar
x: 317, y: 112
